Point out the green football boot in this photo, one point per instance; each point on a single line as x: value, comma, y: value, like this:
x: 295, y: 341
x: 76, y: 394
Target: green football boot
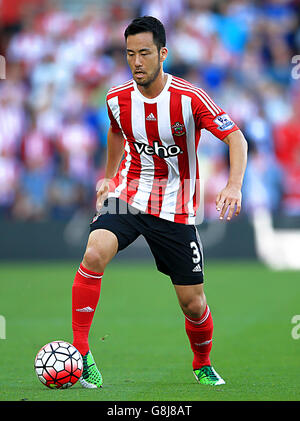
x: 91, y: 377
x: 207, y: 375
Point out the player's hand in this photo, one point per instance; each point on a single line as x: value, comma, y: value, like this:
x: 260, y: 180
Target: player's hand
x: 102, y: 192
x: 230, y: 198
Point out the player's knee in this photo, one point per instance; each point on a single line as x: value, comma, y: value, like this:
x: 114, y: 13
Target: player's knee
x: 195, y: 306
x: 94, y: 259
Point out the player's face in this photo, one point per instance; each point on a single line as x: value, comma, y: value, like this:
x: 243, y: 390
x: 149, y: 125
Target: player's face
x: 144, y: 59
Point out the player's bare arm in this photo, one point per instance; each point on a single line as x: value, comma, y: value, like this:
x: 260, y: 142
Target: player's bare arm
x: 230, y: 198
x: 115, y: 151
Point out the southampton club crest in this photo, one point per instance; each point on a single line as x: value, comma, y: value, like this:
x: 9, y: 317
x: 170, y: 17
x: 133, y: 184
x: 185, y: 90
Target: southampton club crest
x: 178, y: 129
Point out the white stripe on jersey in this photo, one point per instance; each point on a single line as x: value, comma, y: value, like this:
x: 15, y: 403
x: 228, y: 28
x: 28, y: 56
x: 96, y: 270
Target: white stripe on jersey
x: 212, y: 107
x: 113, y: 103
x: 124, y: 173
x: 168, y: 208
x: 115, y: 109
x: 186, y: 103
x: 140, y: 199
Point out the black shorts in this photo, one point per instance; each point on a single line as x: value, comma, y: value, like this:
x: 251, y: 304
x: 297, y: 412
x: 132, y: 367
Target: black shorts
x: 176, y: 248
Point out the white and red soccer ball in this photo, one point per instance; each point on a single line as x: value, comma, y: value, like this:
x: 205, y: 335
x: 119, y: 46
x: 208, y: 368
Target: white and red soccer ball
x: 58, y: 364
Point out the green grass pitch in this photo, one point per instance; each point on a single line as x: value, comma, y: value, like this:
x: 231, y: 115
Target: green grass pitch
x: 138, y: 337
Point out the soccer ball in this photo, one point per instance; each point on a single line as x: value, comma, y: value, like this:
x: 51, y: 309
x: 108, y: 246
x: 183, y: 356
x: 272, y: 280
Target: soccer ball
x: 58, y: 365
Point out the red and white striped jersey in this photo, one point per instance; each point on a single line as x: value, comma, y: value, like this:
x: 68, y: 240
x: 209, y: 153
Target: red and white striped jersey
x: 160, y: 171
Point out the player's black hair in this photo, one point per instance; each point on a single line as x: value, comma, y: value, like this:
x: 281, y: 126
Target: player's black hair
x: 148, y: 24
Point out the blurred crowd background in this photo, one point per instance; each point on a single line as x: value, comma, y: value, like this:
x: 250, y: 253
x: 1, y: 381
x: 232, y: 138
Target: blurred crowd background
x: 62, y: 57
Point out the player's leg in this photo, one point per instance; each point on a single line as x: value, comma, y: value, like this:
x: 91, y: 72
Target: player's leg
x: 178, y: 253
x: 199, y: 329
x: 101, y: 247
x: 198, y: 322
x: 111, y: 232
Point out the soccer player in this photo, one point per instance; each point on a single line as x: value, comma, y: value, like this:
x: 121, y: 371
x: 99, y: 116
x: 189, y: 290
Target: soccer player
x: 156, y: 120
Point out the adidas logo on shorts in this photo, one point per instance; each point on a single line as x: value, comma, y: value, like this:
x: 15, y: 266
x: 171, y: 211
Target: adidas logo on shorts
x: 197, y: 268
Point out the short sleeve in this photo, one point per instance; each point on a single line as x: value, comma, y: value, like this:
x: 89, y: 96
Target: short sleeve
x: 211, y: 117
x: 113, y: 122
